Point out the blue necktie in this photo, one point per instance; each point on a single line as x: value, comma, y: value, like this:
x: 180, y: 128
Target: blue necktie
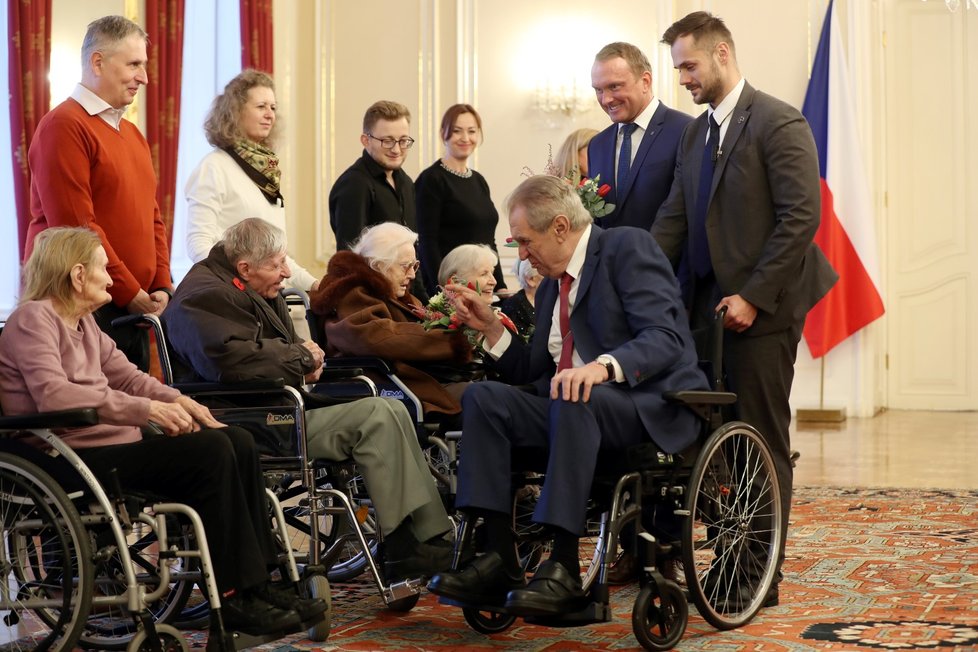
x: 625, y: 154
x: 701, y: 247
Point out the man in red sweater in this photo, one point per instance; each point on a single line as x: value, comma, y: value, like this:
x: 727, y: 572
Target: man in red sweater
x: 92, y: 168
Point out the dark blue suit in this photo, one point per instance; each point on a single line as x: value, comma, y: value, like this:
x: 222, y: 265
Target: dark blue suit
x: 651, y: 172
x: 628, y: 306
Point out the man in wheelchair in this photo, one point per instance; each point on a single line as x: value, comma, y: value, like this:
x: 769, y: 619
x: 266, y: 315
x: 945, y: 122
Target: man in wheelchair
x: 227, y: 322
x: 611, y: 336
x: 53, y: 356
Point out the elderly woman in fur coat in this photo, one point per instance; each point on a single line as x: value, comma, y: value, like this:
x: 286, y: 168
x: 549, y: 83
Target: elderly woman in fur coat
x: 367, y: 309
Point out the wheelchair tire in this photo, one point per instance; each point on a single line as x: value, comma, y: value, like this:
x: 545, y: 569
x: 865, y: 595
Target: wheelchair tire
x: 317, y: 586
x: 487, y: 622
x: 48, y: 551
x: 334, y: 530
x: 170, y: 639
x: 659, y: 616
x: 115, y: 627
x: 731, y: 539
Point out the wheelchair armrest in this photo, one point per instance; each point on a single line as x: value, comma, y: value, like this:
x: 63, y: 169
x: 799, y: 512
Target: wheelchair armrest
x: 339, y: 373
x: 60, y: 419
x: 258, y: 384
x: 373, y: 364
x: 316, y: 399
x: 125, y: 320
x: 700, y: 397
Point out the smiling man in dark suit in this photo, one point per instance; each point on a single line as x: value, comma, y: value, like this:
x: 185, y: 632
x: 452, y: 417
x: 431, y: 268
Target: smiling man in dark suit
x: 611, y: 337
x: 645, y: 129
x: 744, y: 208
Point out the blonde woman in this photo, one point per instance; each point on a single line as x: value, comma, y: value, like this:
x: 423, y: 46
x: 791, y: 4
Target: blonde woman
x: 571, y: 161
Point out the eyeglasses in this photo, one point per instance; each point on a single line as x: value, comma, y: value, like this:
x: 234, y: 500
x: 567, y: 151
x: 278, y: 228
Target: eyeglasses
x: 415, y: 266
x: 388, y: 143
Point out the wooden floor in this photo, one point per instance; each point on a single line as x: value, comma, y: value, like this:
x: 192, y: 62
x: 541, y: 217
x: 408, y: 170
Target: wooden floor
x: 896, y: 448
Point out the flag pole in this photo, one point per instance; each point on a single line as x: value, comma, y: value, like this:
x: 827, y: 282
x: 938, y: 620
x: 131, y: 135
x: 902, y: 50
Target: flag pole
x: 821, y: 414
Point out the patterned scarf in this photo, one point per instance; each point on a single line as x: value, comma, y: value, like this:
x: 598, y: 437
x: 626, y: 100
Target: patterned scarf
x: 262, y: 161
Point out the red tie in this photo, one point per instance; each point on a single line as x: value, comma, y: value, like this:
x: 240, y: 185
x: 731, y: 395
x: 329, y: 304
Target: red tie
x: 567, y: 338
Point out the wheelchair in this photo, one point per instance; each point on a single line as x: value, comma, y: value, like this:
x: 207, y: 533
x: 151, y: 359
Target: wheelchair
x: 98, y: 568
x: 332, y: 529
x: 723, y: 492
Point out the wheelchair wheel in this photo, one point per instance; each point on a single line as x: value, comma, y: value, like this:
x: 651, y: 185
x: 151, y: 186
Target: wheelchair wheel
x: 46, y: 560
x: 659, y: 616
x: 170, y: 638
x: 732, y: 537
x: 318, y: 587
x: 487, y: 622
x: 334, y: 530
x: 112, y: 627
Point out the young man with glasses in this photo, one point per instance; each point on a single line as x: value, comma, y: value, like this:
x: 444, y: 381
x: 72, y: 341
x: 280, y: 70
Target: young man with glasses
x: 375, y: 189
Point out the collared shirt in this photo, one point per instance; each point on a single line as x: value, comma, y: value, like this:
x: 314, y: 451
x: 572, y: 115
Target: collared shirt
x: 554, y: 340
x: 642, y: 122
x: 95, y: 105
x: 725, y: 109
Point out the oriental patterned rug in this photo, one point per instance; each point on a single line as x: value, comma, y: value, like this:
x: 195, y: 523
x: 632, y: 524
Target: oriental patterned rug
x: 866, y: 570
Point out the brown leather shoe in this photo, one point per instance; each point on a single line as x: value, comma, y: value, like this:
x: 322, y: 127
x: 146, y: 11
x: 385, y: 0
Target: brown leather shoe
x: 624, y: 570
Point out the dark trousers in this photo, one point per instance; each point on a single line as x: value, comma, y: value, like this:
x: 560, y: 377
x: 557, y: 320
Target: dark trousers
x: 132, y: 341
x: 498, y: 418
x: 217, y: 473
x: 760, y: 370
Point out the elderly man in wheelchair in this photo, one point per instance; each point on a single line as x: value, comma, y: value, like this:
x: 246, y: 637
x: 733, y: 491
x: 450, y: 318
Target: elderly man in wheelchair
x: 151, y: 438
x: 227, y: 322
x: 611, y: 337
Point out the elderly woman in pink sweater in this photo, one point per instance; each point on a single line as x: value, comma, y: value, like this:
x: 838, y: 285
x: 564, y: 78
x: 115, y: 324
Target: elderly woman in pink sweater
x: 53, y: 356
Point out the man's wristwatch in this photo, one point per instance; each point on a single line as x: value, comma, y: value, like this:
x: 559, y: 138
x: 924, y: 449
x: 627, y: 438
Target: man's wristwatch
x: 606, y: 362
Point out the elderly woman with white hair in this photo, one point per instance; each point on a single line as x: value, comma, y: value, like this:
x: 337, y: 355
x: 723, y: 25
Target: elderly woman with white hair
x: 521, y: 306
x: 368, y: 310
x: 473, y: 265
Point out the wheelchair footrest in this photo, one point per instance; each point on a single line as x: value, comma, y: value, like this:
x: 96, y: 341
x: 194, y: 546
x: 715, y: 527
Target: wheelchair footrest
x: 403, y: 589
x: 594, y: 612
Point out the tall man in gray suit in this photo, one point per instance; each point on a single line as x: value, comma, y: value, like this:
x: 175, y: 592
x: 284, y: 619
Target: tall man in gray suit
x: 745, y: 206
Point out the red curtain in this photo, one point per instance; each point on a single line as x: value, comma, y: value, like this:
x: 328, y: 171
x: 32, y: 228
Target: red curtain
x: 256, y: 35
x: 164, y: 25
x: 29, y: 56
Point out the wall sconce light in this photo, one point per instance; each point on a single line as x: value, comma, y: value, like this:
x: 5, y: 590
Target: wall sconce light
x: 564, y: 96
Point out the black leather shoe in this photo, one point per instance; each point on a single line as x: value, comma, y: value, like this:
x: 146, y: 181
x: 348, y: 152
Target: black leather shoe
x: 285, y: 595
x: 250, y: 614
x: 421, y: 560
x: 553, y: 590
x: 483, y: 583
x: 623, y: 570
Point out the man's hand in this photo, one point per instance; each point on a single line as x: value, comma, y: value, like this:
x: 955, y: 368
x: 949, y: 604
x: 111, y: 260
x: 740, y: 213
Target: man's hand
x: 741, y: 313
x: 317, y: 353
x: 162, y: 299
x: 314, y: 375
x: 474, y: 313
x: 199, y: 413
x: 172, y: 418
x: 575, y: 384
x: 143, y: 304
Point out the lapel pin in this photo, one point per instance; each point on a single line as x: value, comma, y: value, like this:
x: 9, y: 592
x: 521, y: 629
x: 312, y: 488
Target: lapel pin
x: 741, y: 120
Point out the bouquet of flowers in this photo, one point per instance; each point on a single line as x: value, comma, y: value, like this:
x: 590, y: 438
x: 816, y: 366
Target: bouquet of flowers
x: 440, y: 313
x: 592, y: 193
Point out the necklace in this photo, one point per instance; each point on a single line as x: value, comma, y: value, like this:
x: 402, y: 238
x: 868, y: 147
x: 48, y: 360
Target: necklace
x: 464, y: 175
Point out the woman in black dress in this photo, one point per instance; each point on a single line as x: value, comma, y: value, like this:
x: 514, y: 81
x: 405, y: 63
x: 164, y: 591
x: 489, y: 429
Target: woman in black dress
x: 454, y: 206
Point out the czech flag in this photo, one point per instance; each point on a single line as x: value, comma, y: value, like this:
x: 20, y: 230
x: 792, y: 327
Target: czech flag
x: 846, y: 234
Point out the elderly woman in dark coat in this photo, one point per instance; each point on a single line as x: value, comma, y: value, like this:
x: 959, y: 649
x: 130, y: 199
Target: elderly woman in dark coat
x: 368, y: 310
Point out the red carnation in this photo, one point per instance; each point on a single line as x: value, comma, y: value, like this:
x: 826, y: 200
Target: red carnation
x: 583, y: 181
x: 604, y: 190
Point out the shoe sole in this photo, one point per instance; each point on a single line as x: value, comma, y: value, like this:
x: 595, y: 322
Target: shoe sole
x: 526, y: 606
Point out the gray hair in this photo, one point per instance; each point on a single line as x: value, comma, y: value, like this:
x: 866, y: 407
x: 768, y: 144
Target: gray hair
x: 524, y: 271
x: 379, y: 244
x: 253, y: 240
x: 464, y: 258
x: 104, y: 34
x: 543, y: 198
